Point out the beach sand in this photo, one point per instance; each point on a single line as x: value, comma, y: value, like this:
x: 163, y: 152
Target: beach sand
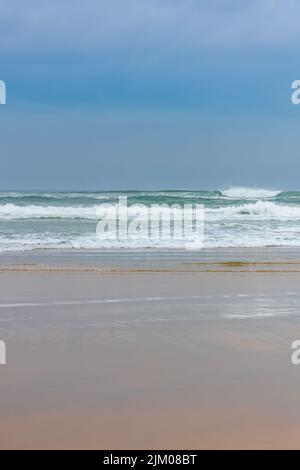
x: 193, y: 356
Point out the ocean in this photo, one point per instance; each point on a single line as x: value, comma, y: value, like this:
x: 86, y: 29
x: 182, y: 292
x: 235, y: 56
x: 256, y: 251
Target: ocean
x: 236, y: 217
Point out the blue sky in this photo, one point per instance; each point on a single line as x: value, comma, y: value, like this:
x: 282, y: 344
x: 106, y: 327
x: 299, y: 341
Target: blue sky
x: 149, y: 94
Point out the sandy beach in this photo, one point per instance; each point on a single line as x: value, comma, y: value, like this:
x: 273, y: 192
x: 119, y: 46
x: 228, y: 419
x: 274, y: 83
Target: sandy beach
x: 149, y: 227
x: 193, y: 355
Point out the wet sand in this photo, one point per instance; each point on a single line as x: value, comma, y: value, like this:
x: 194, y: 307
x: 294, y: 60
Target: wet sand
x: 195, y: 357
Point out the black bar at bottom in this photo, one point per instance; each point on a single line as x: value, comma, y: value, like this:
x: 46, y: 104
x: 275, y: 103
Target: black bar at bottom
x: 145, y: 458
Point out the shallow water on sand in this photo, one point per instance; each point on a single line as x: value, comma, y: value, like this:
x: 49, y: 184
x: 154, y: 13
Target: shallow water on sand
x: 149, y: 360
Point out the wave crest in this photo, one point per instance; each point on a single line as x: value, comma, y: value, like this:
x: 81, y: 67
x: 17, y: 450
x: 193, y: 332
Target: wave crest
x: 259, y: 209
x: 13, y: 212
x: 249, y: 193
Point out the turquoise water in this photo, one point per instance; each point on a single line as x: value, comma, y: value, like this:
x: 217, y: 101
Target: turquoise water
x: 236, y: 217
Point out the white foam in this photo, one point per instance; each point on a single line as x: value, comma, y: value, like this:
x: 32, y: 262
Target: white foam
x: 260, y: 209
x: 84, y: 302
x: 89, y: 241
x: 249, y: 193
x: 248, y: 316
x: 13, y: 212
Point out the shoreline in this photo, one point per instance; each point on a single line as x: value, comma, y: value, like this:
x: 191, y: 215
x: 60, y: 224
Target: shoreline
x: 232, y: 260
x: 181, y: 266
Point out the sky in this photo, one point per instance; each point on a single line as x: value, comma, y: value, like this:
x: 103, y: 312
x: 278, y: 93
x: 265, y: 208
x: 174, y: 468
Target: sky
x: 149, y: 94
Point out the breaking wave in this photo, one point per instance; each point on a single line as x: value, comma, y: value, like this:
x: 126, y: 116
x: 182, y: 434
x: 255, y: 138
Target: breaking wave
x: 259, y: 209
x: 249, y: 193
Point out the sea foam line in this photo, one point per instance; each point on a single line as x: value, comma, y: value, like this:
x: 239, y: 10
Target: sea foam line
x: 84, y: 302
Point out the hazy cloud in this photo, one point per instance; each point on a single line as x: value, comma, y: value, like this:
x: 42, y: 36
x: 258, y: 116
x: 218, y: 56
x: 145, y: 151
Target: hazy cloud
x: 140, y: 24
